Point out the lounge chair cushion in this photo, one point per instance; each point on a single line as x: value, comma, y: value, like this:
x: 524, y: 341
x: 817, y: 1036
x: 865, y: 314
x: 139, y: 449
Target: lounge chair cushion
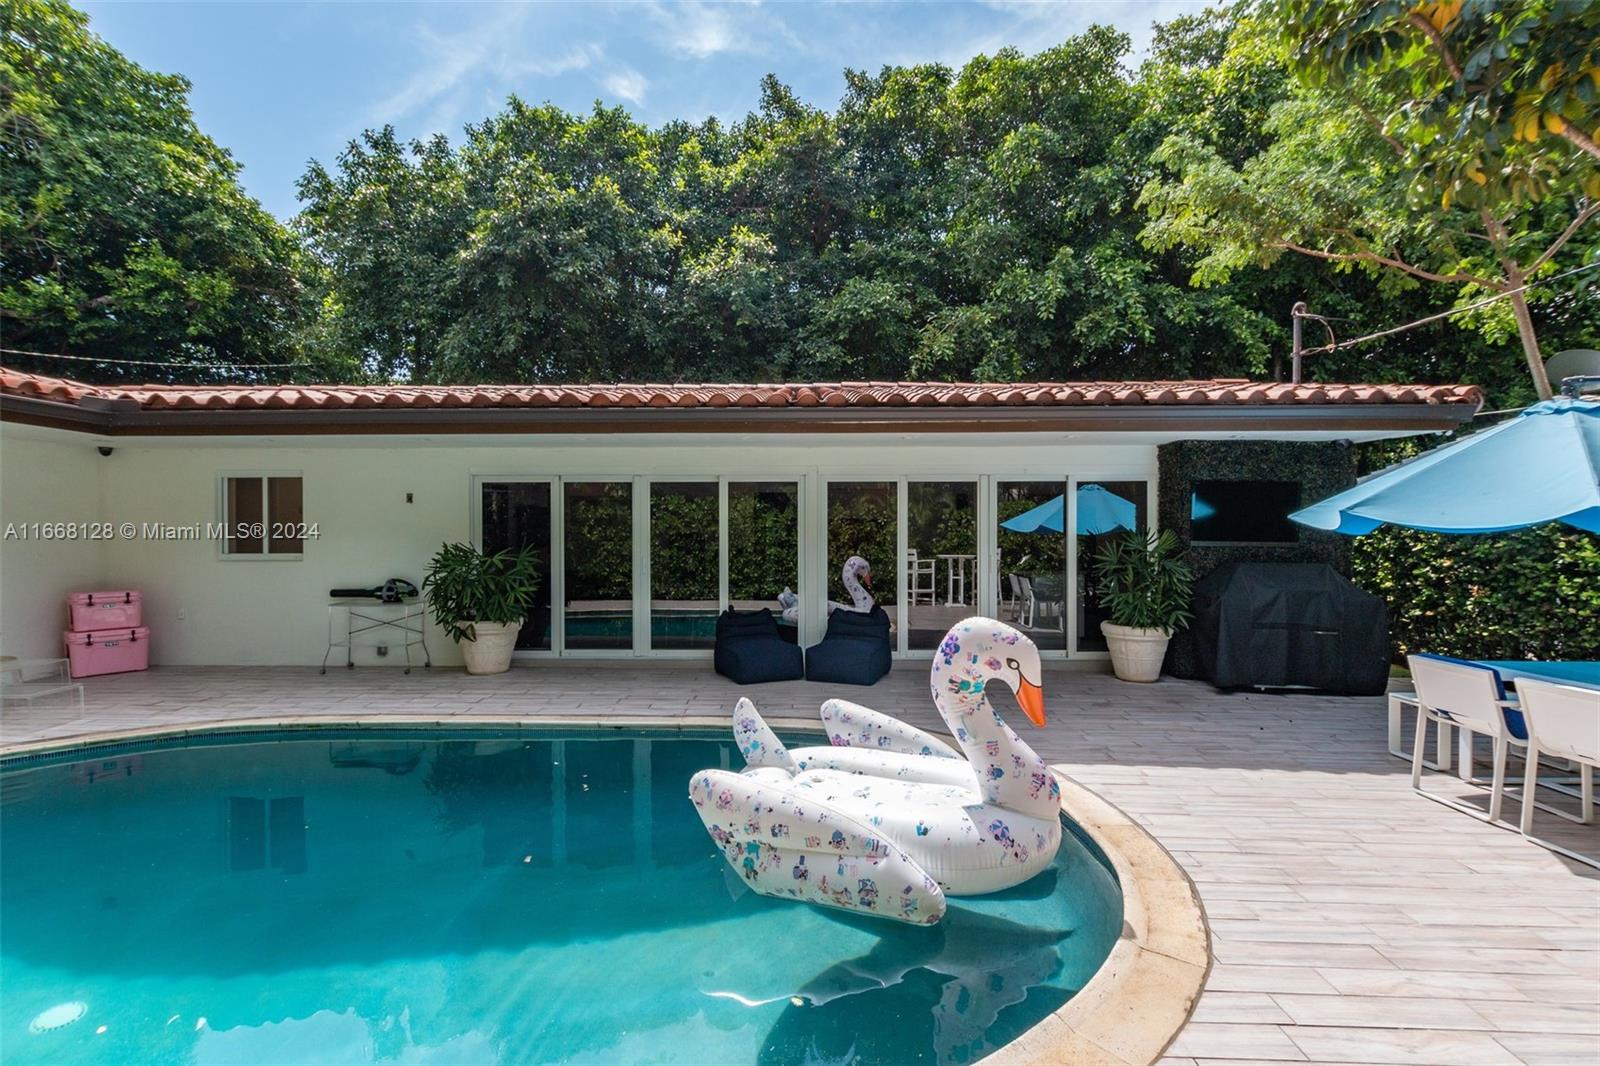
x: 855, y: 650
x: 750, y: 650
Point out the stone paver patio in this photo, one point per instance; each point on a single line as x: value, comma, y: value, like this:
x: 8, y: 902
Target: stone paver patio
x: 1351, y: 921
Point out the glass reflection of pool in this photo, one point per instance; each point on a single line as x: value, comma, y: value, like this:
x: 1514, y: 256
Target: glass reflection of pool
x: 473, y: 897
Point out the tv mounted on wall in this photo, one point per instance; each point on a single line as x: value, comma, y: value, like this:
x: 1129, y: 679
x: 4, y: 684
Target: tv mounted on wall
x: 1244, y: 512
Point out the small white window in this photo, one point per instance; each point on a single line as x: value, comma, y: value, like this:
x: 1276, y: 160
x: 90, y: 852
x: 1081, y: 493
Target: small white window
x: 263, y: 516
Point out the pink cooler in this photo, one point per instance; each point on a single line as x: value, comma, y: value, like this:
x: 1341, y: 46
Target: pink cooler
x: 117, y: 609
x: 108, y: 651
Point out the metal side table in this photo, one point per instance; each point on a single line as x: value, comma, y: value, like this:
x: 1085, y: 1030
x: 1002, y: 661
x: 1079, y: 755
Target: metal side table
x: 404, y: 621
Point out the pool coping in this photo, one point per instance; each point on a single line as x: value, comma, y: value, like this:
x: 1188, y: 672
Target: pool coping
x: 1128, y: 1013
x: 1143, y: 994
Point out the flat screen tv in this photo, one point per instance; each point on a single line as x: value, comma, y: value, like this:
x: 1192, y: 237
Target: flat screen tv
x: 1244, y: 512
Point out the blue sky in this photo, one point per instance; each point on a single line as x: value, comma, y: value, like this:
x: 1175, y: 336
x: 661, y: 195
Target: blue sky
x: 281, y: 83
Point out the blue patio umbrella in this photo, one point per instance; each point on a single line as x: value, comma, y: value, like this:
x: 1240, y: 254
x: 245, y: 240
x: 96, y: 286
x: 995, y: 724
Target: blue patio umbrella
x: 1542, y: 466
x: 1099, y: 511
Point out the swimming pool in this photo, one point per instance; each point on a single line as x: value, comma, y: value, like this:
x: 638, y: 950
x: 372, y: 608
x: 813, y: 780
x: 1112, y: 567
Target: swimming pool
x: 473, y: 896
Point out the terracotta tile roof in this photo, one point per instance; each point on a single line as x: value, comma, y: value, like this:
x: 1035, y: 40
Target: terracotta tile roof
x: 850, y: 394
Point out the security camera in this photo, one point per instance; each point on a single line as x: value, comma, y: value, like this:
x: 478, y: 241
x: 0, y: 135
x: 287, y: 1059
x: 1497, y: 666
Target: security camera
x: 105, y: 449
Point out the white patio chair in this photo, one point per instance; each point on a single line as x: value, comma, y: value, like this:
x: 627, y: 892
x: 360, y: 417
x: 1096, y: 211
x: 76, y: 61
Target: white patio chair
x: 1563, y: 722
x: 1013, y: 597
x: 1468, y: 696
x: 1025, y: 602
x: 923, y: 577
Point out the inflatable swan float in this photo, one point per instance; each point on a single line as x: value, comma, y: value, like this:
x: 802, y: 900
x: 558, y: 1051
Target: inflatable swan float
x: 856, y: 570
x: 891, y: 827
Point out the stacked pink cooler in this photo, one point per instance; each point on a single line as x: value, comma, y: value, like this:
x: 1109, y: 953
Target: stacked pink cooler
x: 106, y: 635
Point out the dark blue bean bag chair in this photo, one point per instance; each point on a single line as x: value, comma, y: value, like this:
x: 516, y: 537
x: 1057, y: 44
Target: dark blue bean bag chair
x: 855, y: 650
x: 750, y: 650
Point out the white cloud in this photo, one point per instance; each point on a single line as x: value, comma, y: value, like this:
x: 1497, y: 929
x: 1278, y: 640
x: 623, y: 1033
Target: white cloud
x: 702, y: 30
x: 627, y: 84
x: 578, y: 57
x: 491, y: 49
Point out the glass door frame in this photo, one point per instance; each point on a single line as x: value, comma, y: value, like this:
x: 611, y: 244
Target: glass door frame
x: 1152, y: 525
x: 983, y: 591
x: 802, y: 537
x: 557, y: 575
x: 643, y: 635
x: 811, y: 499
x: 990, y: 552
x: 824, y: 571
x: 637, y: 523
x: 640, y: 586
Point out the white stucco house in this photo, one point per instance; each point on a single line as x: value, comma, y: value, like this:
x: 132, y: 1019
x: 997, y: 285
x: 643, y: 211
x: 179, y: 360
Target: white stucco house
x: 650, y: 506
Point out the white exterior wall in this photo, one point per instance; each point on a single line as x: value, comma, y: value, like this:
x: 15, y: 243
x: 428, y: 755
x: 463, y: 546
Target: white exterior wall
x: 273, y: 611
x: 45, y: 478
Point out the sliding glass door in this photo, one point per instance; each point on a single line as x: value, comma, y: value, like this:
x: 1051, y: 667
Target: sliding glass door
x: 514, y: 515
x: 1031, y: 557
x: 941, y: 585
x: 642, y: 566
x: 597, y: 543
x: 684, y: 561
x: 1105, y: 509
x: 863, y: 520
x: 764, y: 549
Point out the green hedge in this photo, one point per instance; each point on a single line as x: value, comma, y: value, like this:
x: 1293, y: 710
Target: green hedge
x: 1532, y: 594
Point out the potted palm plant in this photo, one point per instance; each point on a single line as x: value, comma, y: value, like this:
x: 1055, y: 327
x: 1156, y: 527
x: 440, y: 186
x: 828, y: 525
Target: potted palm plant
x: 1146, y: 585
x: 481, y: 600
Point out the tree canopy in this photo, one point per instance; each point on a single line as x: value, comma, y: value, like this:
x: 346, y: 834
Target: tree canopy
x: 124, y: 233
x: 1423, y: 143
x: 1067, y: 214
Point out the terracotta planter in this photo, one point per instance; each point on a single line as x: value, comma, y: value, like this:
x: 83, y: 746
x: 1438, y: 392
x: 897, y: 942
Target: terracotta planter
x: 489, y: 652
x: 1136, y: 654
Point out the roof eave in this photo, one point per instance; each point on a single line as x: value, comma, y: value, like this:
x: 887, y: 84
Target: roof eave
x: 1259, y: 418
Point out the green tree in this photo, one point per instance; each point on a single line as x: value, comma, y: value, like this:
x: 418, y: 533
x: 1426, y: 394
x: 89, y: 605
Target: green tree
x: 1478, y: 77
x: 124, y: 233
x: 947, y: 224
x: 1353, y: 178
x: 385, y: 229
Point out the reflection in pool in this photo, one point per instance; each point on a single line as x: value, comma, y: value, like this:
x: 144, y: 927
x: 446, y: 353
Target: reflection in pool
x: 475, y: 897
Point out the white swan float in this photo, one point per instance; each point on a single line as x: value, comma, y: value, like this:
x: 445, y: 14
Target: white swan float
x: 856, y: 570
x: 890, y: 826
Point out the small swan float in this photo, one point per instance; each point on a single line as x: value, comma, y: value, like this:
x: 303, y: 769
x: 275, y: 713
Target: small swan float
x: 891, y: 819
x: 856, y: 571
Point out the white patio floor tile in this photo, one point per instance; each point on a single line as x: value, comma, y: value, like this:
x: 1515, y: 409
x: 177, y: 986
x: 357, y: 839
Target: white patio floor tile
x: 1408, y: 1046
x: 1382, y: 1012
x: 1549, y: 1049
x: 1230, y: 977
x: 1215, y: 1006
x: 1205, y: 1041
x: 1441, y: 984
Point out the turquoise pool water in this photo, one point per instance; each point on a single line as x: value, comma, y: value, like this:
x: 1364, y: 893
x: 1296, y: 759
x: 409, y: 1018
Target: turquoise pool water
x: 474, y: 897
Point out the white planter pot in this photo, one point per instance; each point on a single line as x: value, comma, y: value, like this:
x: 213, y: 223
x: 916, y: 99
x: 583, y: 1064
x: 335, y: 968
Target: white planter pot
x: 490, y: 650
x: 1136, y: 654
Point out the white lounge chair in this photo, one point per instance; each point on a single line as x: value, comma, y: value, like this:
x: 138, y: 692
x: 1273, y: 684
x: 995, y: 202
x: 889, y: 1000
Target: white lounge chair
x: 1563, y: 722
x: 1472, y: 697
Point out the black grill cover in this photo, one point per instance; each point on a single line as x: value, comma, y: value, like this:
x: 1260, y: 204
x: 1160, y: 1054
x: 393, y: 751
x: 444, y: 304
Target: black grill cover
x: 1279, y: 624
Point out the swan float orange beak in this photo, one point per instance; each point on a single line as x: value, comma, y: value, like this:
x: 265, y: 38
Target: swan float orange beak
x: 1031, y: 697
